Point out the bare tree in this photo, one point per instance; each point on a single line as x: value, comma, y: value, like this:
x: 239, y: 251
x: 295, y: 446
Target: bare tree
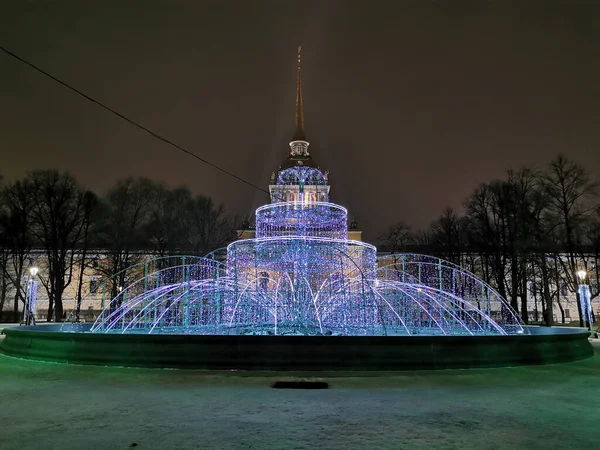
x: 572, y: 199
x: 125, y: 214
x: 449, y: 239
x: 90, y: 209
x: 397, y: 238
x: 505, y: 227
x: 18, y: 203
x: 488, y: 232
x: 209, y: 227
x: 4, y: 253
x: 58, y: 223
x: 593, y: 265
x: 4, y: 283
x: 544, y: 255
x: 167, y: 230
x: 527, y: 229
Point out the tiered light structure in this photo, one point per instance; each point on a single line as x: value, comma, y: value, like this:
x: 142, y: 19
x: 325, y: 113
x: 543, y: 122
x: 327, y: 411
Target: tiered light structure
x: 301, y: 275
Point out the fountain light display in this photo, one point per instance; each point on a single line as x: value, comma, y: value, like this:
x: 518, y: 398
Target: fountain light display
x: 300, y: 274
x: 301, y: 285
x: 298, y: 291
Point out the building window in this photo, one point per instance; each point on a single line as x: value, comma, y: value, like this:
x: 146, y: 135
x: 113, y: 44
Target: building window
x: 93, y: 286
x: 567, y: 313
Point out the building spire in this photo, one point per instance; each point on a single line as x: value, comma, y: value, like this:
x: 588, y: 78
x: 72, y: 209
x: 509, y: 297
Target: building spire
x: 299, y: 133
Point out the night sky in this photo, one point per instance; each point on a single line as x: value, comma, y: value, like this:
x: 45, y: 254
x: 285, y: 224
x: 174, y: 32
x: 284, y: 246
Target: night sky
x: 408, y: 105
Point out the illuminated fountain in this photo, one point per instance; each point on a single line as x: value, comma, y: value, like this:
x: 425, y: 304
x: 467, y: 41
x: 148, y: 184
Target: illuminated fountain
x: 300, y: 291
x: 301, y: 275
x: 297, y: 285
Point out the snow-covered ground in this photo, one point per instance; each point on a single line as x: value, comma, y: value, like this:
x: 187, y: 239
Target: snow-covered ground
x: 54, y: 406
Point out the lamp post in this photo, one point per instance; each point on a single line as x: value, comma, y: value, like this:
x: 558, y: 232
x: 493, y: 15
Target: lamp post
x: 30, y: 297
x: 584, y: 298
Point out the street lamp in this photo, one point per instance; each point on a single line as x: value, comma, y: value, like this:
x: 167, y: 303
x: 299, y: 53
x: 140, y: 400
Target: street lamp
x: 584, y: 298
x: 30, y: 297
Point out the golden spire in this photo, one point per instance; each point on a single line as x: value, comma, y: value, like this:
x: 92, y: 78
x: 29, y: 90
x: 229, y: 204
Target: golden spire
x: 299, y: 133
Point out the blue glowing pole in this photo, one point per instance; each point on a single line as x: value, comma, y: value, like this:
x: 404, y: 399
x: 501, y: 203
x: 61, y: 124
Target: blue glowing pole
x: 586, y: 304
x: 26, y: 305
x: 30, y: 301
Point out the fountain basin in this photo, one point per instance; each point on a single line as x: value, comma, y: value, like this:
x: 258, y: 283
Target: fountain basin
x: 75, y: 345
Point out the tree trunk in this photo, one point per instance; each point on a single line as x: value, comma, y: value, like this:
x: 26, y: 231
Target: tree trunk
x: 3, y: 296
x: 16, y: 305
x: 81, y: 273
x: 524, y: 292
x: 546, y: 297
x: 544, y: 314
x: 58, y: 310
x: 562, y: 310
x: 514, y: 284
x: 50, y: 312
x: 79, y: 288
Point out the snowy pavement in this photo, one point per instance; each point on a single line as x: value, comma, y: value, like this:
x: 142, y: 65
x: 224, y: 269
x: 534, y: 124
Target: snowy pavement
x: 52, y: 406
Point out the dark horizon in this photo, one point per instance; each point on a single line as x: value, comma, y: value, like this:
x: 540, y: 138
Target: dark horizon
x: 408, y: 106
